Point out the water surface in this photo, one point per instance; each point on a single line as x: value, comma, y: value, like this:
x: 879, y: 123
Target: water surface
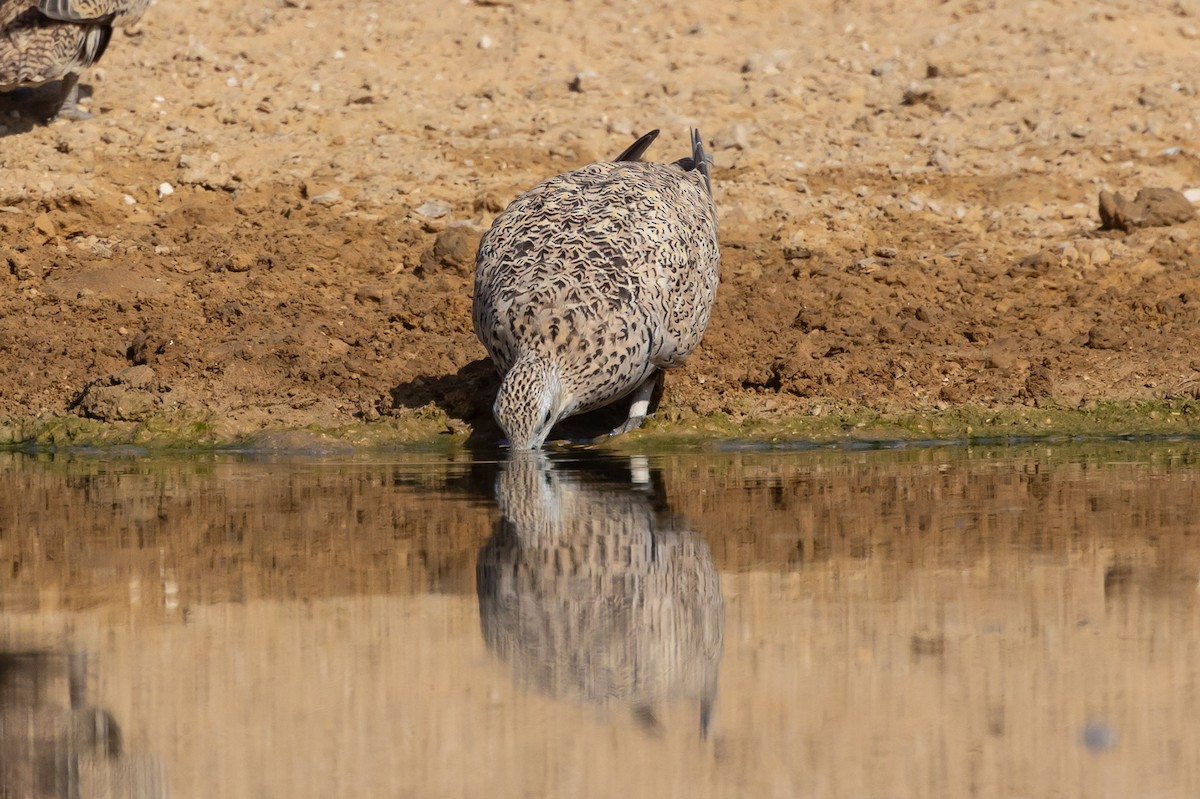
x: 928, y: 622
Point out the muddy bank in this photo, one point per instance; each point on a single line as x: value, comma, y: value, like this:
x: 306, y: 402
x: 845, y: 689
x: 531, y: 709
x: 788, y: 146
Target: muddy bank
x: 910, y: 212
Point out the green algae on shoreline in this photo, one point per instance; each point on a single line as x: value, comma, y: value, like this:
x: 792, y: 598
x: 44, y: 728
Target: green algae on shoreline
x: 431, y: 427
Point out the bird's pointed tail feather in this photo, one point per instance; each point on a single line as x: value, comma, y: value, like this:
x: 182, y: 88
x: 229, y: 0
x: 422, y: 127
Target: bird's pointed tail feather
x: 701, y: 160
x: 635, y: 151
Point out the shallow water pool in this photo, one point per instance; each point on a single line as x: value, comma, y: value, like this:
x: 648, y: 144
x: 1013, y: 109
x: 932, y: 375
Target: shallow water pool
x: 913, y: 622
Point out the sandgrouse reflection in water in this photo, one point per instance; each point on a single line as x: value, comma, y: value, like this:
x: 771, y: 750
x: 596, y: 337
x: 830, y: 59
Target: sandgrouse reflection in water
x: 588, y: 591
x: 53, y: 745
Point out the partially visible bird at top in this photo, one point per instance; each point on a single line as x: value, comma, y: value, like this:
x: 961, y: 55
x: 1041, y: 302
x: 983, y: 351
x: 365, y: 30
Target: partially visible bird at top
x: 48, y: 40
x: 594, y: 281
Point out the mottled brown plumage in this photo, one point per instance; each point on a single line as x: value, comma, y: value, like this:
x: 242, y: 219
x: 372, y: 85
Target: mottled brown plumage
x: 590, y: 592
x: 591, y: 283
x: 48, y: 40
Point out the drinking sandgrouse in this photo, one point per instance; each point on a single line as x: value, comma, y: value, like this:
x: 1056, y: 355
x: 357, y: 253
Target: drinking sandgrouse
x: 594, y: 281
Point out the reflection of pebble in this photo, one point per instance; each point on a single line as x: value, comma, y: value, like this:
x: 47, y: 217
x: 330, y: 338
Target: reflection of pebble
x: 1099, y: 737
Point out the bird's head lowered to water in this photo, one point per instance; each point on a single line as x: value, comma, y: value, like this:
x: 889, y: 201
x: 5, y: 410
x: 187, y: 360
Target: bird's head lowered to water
x: 530, y: 401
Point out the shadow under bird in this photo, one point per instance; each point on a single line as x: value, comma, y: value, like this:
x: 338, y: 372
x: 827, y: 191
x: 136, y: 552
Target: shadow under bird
x: 48, y: 40
x: 588, y: 591
x: 594, y: 281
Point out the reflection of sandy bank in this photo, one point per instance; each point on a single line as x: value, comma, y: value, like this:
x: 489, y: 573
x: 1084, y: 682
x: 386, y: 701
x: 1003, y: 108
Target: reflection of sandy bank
x: 585, y: 592
x: 52, y: 744
x: 79, y: 532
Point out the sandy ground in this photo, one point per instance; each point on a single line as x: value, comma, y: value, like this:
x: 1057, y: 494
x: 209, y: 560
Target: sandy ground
x: 908, y: 191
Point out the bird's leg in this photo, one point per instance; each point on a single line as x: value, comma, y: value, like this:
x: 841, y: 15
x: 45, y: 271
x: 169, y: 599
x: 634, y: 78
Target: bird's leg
x: 69, y: 108
x: 640, y: 405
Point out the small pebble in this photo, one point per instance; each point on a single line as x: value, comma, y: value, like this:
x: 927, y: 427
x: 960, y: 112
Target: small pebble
x: 165, y: 190
x: 327, y: 198
x: 582, y: 80
x: 128, y: 200
x: 45, y: 224
x: 485, y: 42
x: 433, y: 209
x: 733, y: 137
x: 621, y: 127
x: 1099, y: 737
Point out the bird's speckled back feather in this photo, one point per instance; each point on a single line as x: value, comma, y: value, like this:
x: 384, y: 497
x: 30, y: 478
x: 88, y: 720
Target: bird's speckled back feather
x: 115, y: 12
x: 609, y: 271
